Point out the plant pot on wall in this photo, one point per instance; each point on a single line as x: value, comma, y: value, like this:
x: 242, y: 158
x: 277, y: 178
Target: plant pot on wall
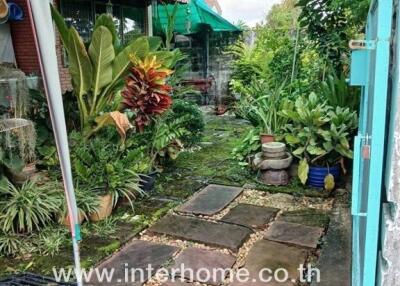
x: 267, y: 138
x: 316, y: 175
x: 104, y: 210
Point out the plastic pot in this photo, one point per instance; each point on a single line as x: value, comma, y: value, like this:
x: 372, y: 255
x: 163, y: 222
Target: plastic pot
x: 316, y: 175
x: 147, y: 182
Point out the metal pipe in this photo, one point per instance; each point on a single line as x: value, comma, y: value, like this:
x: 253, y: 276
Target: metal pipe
x: 44, y: 37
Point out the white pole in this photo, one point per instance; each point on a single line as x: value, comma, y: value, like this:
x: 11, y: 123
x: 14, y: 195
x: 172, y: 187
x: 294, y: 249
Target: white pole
x: 150, y: 20
x: 45, y: 40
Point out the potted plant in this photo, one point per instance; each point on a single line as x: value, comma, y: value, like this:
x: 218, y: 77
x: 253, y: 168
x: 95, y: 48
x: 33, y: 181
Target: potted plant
x: 319, y: 137
x: 101, y: 166
x: 104, y: 200
x: 86, y: 203
x: 260, y: 105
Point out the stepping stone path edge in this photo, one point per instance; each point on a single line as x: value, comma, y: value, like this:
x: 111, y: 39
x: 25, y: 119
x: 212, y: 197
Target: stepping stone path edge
x: 217, y: 234
x: 252, y: 216
x: 197, y: 260
x: 136, y: 255
x: 210, y: 200
x: 294, y: 234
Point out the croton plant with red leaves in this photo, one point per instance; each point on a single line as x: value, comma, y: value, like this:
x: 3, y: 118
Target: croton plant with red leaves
x: 146, y: 91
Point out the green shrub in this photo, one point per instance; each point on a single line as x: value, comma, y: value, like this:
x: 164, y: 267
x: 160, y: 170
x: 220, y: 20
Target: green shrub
x: 86, y: 202
x: 249, y: 145
x: 27, y: 208
x: 194, y: 122
x: 99, y: 164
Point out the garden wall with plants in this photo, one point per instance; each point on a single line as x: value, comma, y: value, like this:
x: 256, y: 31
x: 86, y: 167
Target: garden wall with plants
x: 123, y: 125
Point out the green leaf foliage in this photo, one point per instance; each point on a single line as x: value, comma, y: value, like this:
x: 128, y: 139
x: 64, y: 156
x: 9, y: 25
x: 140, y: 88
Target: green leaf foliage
x: 303, y: 171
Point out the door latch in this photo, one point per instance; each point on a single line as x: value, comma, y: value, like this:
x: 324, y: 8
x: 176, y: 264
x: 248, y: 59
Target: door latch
x: 366, y: 148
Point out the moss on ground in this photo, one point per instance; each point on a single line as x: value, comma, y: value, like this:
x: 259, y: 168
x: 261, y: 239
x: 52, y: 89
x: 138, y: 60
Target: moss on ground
x: 94, y: 246
x: 310, y: 217
x: 213, y: 163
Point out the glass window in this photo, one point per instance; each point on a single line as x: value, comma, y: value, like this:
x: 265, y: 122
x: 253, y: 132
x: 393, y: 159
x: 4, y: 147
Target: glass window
x: 129, y: 20
x: 79, y: 14
x: 133, y: 22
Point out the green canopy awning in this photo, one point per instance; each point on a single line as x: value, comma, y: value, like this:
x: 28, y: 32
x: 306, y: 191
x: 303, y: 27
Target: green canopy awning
x: 191, y: 18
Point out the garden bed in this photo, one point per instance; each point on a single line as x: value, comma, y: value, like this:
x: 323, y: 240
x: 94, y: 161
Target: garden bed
x: 211, y: 162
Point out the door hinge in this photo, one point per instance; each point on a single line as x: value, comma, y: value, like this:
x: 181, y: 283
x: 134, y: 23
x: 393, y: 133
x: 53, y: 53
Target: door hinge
x: 362, y: 45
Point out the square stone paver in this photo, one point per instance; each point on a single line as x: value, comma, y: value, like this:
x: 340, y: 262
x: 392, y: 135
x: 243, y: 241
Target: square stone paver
x: 293, y: 233
x: 197, y: 260
x: 273, y: 255
x: 250, y: 215
x: 194, y: 229
x: 211, y: 200
x: 136, y: 255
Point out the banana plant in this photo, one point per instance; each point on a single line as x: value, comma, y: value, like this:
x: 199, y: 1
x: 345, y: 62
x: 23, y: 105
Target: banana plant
x: 99, y: 67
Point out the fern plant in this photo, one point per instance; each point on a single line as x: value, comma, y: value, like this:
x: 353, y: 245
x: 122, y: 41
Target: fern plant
x: 166, y: 141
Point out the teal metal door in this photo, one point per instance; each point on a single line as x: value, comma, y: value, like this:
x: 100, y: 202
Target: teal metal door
x: 370, y: 70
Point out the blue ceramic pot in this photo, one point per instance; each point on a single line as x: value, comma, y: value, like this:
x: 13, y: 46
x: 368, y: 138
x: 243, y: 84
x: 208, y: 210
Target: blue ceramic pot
x: 316, y: 175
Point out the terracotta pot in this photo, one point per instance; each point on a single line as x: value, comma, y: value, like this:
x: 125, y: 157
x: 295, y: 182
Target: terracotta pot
x: 65, y: 220
x: 27, y: 173
x: 267, y: 138
x: 221, y: 110
x: 104, y: 210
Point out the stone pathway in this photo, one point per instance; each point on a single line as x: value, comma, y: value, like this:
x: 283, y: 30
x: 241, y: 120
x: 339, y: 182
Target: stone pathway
x: 211, y: 200
x: 216, y: 229
x: 197, y: 259
x: 294, y: 233
x: 252, y: 216
x: 199, y: 230
x: 136, y: 255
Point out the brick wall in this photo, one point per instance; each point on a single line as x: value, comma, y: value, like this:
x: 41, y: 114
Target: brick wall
x: 26, y: 52
x: 23, y: 42
x: 65, y: 76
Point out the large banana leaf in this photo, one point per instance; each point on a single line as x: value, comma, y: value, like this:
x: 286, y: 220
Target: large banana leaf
x: 102, y: 55
x: 80, y: 65
x: 140, y: 47
x: 61, y: 26
x: 108, y: 22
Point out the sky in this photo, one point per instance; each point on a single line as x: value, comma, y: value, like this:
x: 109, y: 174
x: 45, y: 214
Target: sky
x: 250, y: 11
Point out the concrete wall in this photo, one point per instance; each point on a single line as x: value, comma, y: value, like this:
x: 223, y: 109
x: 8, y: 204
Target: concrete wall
x: 389, y: 259
x: 389, y: 263
x: 219, y: 63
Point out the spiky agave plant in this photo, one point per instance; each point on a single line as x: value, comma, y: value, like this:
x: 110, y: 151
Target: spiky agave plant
x: 146, y: 91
